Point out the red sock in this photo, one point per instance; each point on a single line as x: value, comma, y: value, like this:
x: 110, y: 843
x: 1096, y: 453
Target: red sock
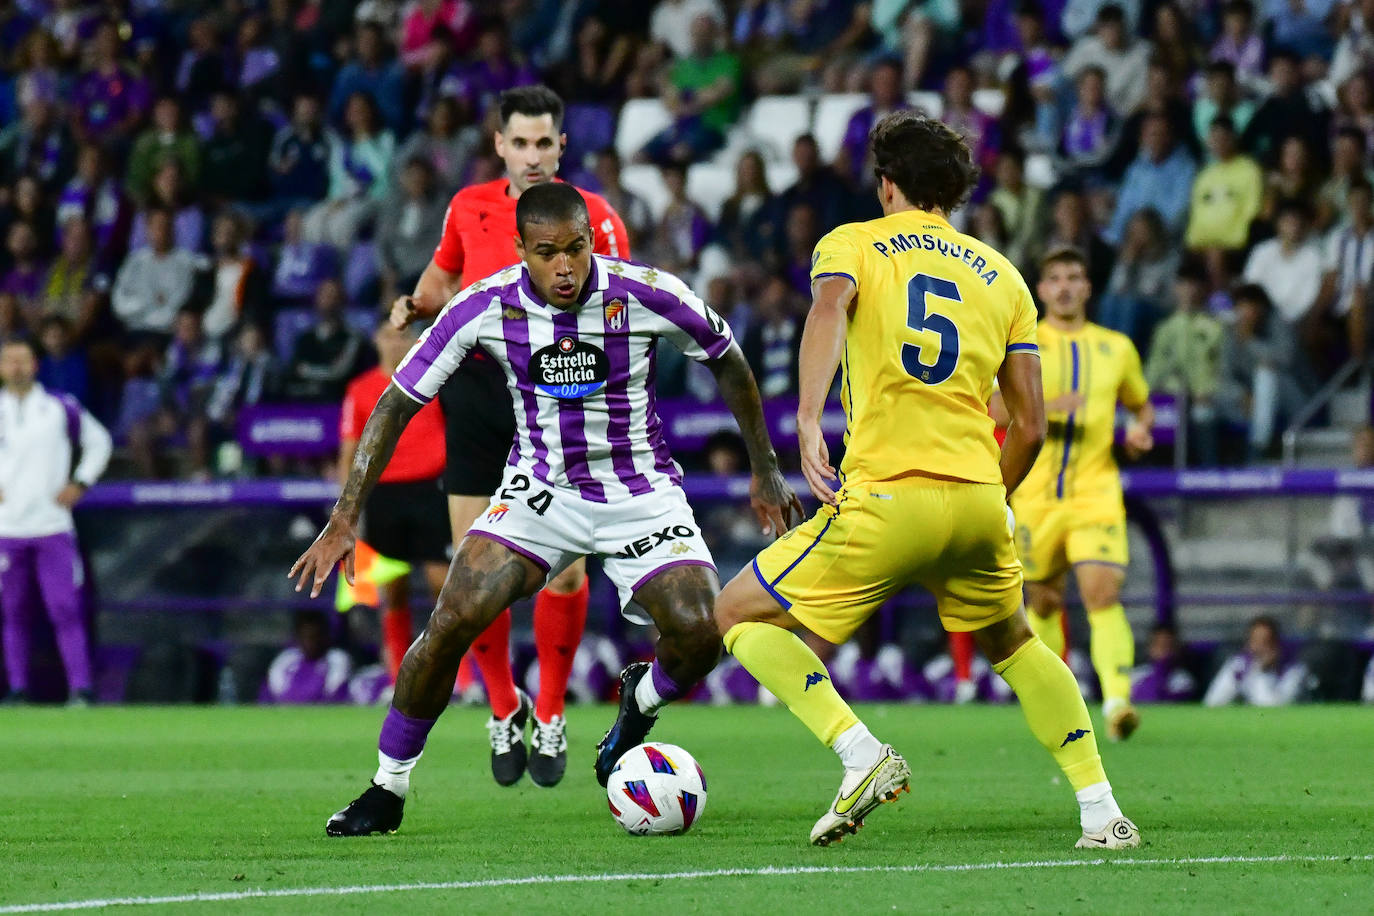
x: 961, y: 650
x: 491, y: 651
x: 467, y: 673
x: 1064, y: 625
x: 396, y: 637
x: 558, y: 624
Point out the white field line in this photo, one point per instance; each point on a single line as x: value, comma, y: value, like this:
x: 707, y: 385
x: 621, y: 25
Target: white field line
x: 767, y: 872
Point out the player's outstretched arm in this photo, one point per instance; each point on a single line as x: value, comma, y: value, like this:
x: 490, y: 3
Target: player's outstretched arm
x: 774, y: 501
x: 822, y: 344
x: 375, y: 446
x: 435, y: 287
x: 1024, y: 401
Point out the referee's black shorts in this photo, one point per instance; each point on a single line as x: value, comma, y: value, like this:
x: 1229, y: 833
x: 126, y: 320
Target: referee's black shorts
x: 479, y: 427
x: 408, y: 521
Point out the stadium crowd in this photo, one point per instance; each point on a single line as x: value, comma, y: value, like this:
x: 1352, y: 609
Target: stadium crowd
x: 203, y: 205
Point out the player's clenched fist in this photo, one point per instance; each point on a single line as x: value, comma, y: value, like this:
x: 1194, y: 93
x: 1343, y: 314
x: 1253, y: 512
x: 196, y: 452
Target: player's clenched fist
x: 403, y: 312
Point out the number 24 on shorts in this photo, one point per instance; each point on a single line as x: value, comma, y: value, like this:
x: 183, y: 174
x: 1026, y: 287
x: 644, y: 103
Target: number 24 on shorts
x: 918, y: 318
x: 539, y: 502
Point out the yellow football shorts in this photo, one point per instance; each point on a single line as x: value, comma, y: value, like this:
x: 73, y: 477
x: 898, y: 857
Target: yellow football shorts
x: 833, y: 571
x: 1053, y: 536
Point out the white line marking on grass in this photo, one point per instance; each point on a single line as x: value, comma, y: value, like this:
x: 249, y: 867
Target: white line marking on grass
x: 767, y: 872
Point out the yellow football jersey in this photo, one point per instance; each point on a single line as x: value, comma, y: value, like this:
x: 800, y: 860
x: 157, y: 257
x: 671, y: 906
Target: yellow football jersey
x: 936, y: 313
x: 1103, y: 368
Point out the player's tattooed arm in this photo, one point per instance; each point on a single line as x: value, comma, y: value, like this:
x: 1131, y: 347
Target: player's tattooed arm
x: 774, y: 501
x: 375, y: 446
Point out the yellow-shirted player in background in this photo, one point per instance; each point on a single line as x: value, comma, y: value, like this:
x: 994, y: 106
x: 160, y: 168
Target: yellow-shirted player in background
x: 924, y: 318
x: 1069, y: 511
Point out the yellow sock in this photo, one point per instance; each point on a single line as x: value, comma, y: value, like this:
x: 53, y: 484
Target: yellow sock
x: 1050, y: 630
x: 782, y: 663
x: 1113, y: 652
x: 1054, y: 710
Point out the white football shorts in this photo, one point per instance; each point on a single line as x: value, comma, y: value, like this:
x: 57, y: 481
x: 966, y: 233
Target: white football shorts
x: 636, y: 538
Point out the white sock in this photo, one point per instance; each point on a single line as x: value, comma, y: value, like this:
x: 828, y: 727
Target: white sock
x: 647, y: 696
x: 394, y: 775
x: 1096, y: 807
x: 1110, y: 707
x: 857, y: 747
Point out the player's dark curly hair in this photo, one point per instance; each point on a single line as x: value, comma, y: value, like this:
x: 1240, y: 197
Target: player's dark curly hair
x: 550, y: 202
x: 928, y: 162
x: 531, y: 101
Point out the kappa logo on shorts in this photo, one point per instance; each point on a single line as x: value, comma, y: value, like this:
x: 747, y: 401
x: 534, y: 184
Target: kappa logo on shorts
x: 497, y: 512
x: 642, y: 546
x: 615, y: 314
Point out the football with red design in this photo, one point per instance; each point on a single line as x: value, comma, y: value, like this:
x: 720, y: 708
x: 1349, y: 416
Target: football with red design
x: 657, y: 790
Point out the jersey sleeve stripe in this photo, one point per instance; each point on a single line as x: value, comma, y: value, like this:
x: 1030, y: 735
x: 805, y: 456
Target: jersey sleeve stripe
x: 685, y: 317
x: 835, y: 273
x: 1022, y: 348
x: 429, y: 363
x: 406, y: 390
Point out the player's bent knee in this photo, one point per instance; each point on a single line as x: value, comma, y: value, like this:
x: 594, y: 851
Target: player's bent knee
x: 1001, y: 640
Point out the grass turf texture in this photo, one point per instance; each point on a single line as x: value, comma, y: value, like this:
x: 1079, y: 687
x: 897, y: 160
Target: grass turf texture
x: 129, y: 802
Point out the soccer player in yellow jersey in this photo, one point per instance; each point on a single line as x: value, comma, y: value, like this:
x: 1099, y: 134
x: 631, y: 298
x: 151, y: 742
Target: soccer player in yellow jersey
x: 923, y: 319
x: 1069, y: 512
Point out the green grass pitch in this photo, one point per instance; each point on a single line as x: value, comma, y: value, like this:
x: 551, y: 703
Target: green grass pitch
x: 150, y: 802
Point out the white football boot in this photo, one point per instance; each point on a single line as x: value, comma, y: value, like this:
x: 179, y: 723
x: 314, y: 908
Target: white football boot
x: 860, y: 792
x: 1119, y: 833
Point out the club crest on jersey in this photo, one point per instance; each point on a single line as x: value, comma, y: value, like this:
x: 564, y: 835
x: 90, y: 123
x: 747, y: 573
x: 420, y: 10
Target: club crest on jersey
x: 569, y: 368
x: 615, y: 314
x: 497, y: 512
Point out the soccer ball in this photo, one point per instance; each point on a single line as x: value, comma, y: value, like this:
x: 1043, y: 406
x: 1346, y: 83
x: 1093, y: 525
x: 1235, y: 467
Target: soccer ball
x: 656, y: 789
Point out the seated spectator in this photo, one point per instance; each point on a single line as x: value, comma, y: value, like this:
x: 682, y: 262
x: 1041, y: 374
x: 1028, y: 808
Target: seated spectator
x: 1295, y: 179
x: 1239, y: 45
x: 63, y: 366
x: 168, y: 137
x: 1071, y: 227
x: 598, y: 66
x: 153, y: 284
x: 1262, y: 675
x: 37, y: 66
x: 258, y: 73
x: 1338, y: 326
x: 95, y: 196
x: 1222, y: 98
x: 1355, y: 107
x: 75, y: 287
x: 1079, y: 16
x: 328, y: 355
x: 298, y: 164
x: 12, y: 323
x: 1090, y: 132
x: 683, y: 230
x: 1141, y: 280
x: 238, y: 284
x: 169, y: 192
x: 1355, y: 46
x: 1226, y: 199
x: 1185, y: 361
x: 914, y: 31
x: 203, y: 68
x: 1258, y: 383
x: 1288, y: 266
x: 638, y: 218
x: 1175, y: 44
x: 446, y: 143
x: 184, y: 379
x: 818, y: 186
x: 250, y: 376
x: 987, y: 225
x: 28, y: 204
x: 1165, y: 679
x: 702, y: 91
x: 884, y: 97
x: 1114, y: 50
x: 111, y: 98
x: 1289, y: 110
x: 749, y: 218
x: 411, y: 218
x: 1021, y: 205
x: 26, y: 273
x: 301, y: 266
x: 430, y: 29
x: 1163, y: 98
x: 479, y: 83
x: 370, y: 71
x: 1299, y: 27
x: 672, y: 21
x: 359, y: 177
x: 1347, y: 168
x: 37, y: 143
x: 1161, y: 177
x: 773, y: 340
x: 234, y: 157
x: 311, y: 671
x: 799, y: 243
x: 977, y: 128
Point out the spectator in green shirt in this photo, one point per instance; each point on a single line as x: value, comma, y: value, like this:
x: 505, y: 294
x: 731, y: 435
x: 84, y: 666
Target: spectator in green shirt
x: 703, y: 94
x: 1185, y: 360
x: 1227, y: 196
x: 166, y: 138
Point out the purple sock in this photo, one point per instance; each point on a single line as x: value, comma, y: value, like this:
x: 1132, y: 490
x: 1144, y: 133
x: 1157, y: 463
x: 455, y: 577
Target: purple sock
x: 403, y: 737
x: 665, y: 686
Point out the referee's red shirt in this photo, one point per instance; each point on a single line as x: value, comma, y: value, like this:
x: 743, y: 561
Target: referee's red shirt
x: 420, y: 451
x: 479, y: 230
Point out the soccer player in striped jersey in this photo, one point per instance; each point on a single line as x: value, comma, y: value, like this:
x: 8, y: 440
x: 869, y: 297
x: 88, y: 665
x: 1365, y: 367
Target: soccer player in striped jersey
x: 589, y: 473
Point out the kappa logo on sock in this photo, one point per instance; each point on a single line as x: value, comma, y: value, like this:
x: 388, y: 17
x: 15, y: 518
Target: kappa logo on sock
x: 812, y: 679
x: 1076, y: 734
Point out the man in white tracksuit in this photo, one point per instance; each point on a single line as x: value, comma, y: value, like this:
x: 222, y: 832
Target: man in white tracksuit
x: 40, y: 432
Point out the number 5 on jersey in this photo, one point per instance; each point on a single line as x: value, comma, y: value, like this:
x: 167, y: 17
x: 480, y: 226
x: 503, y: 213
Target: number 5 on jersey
x: 920, y: 318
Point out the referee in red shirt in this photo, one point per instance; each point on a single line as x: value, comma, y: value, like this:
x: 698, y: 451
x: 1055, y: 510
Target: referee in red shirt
x: 478, y: 240
x: 404, y: 518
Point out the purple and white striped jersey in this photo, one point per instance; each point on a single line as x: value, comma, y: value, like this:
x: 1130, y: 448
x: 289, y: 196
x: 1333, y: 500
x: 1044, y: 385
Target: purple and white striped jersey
x: 582, y: 379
